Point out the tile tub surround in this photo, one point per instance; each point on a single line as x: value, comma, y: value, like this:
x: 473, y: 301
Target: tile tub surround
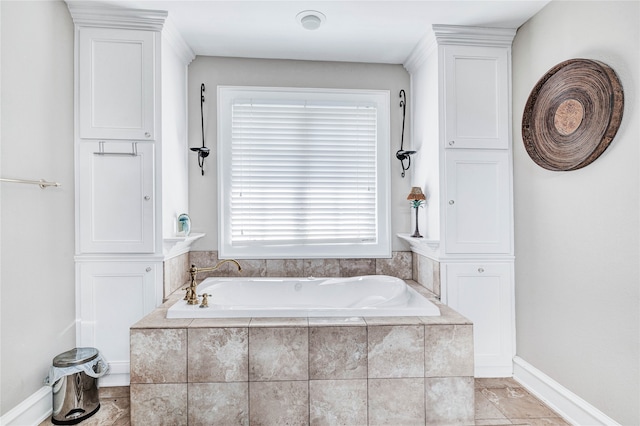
x: 399, y: 265
x: 176, y: 273
x: 273, y: 371
x: 426, y: 272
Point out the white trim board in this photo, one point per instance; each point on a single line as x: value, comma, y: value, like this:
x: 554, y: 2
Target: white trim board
x: 567, y: 404
x: 32, y: 411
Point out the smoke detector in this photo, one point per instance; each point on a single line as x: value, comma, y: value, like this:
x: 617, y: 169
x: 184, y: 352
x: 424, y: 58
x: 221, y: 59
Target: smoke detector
x: 310, y: 19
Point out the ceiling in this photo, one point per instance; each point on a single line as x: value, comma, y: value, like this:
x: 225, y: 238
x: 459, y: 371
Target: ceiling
x: 355, y: 31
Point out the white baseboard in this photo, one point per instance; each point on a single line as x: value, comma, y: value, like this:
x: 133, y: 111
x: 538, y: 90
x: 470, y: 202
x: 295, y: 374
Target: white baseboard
x: 570, y: 406
x: 32, y: 411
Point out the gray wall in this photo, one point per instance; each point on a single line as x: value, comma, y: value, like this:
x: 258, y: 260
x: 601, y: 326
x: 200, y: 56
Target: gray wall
x: 214, y: 71
x: 37, y: 226
x: 577, y: 233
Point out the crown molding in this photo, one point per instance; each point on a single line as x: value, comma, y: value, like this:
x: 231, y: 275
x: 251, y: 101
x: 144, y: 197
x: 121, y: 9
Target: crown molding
x: 456, y: 35
x: 473, y: 36
x: 425, y: 47
x: 177, y: 43
x: 86, y: 14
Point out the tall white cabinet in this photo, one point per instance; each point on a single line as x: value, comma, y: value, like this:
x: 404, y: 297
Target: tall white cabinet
x: 119, y: 165
x: 461, y: 83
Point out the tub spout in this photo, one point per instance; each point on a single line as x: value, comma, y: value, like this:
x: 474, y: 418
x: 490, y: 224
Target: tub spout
x: 192, y: 297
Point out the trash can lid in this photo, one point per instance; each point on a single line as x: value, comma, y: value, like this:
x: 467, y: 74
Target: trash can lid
x: 75, y: 356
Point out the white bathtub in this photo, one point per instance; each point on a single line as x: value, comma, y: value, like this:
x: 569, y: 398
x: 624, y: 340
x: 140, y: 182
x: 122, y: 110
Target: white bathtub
x: 366, y: 296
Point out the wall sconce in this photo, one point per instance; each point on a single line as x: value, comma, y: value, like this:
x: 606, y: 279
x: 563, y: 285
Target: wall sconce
x: 203, y: 151
x: 417, y: 200
x: 403, y: 155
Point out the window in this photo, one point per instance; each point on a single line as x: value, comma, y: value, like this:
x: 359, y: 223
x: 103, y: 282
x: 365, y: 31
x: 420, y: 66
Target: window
x: 303, y: 173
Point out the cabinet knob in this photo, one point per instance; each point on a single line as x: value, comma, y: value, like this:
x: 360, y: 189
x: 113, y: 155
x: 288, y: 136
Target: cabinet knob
x: 147, y: 198
x: 451, y: 202
x: 147, y: 134
x: 480, y: 270
x: 452, y: 143
x: 148, y: 269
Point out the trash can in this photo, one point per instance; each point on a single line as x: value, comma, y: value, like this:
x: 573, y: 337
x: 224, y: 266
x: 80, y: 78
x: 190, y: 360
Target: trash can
x: 74, y: 377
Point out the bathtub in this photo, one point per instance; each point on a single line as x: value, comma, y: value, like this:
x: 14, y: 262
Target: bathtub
x: 366, y: 296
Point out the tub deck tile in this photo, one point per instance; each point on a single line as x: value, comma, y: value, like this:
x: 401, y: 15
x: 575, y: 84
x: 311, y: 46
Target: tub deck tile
x: 380, y: 321
x: 279, y: 322
x: 158, y: 319
x: 219, y: 322
x: 337, y: 322
x: 447, y: 317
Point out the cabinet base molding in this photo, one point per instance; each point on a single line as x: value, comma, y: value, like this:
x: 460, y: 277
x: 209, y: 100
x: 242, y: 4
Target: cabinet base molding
x: 492, y: 371
x: 118, y: 375
x: 570, y: 406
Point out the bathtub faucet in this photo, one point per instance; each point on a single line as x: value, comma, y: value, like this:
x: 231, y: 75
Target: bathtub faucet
x: 192, y: 297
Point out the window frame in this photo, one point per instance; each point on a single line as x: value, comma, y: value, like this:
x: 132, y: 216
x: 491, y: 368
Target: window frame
x: 381, y: 248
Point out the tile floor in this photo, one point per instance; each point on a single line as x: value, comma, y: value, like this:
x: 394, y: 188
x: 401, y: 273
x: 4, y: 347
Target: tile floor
x: 498, y: 402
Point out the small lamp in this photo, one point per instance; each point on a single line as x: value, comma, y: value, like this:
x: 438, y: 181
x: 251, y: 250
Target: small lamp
x: 417, y: 199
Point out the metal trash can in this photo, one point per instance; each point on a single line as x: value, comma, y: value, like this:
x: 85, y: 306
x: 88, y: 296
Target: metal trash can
x: 75, y: 394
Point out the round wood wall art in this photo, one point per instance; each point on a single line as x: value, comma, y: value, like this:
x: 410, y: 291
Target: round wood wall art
x: 572, y: 114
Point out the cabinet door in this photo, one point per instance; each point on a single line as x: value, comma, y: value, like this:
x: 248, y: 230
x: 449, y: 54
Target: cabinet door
x: 112, y: 296
x: 116, y: 84
x: 476, y: 97
x: 478, y: 202
x: 483, y: 293
x: 116, y: 197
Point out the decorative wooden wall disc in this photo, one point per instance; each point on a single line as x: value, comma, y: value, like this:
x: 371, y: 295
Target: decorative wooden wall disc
x: 572, y: 114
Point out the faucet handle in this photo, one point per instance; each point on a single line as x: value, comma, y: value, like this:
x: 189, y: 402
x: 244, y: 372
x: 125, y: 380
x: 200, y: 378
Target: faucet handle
x: 205, y: 300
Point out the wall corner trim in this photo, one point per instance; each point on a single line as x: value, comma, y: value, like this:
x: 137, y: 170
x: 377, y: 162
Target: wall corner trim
x: 32, y: 411
x: 570, y: 406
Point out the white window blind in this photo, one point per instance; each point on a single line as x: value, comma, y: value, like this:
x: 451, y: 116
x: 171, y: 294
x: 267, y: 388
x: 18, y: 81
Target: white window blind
x: 301, y: 175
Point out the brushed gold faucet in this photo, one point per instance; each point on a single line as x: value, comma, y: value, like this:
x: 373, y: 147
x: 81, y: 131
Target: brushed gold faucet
x: 192, y: 297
